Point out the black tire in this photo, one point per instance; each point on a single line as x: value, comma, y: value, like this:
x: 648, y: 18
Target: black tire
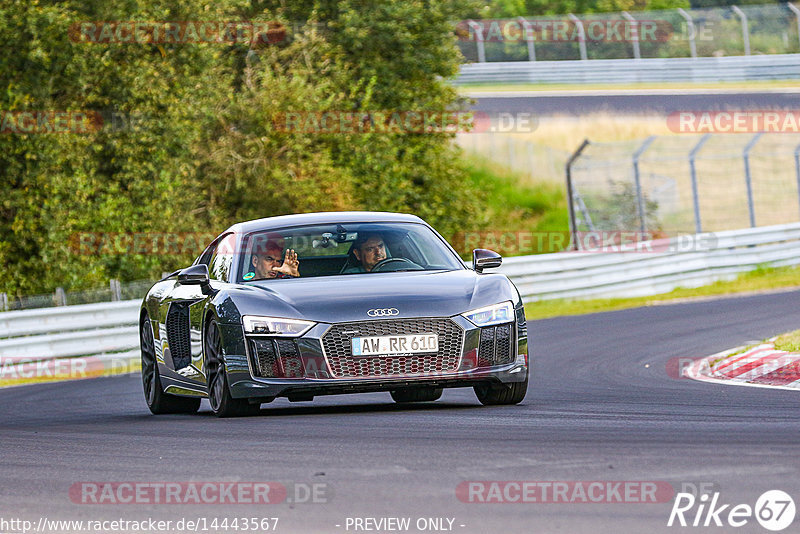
x: 494, y: 395
x: 219, y: 391
x: 416, y: 394
x: 157, y: 401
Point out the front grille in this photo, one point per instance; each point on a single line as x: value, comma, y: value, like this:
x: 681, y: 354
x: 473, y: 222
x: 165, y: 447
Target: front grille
x: 276, y: 358
x: 495, y: 346
x: 338, y: 348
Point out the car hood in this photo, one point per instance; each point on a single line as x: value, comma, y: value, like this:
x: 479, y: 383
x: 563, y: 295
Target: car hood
x: 348, y: 297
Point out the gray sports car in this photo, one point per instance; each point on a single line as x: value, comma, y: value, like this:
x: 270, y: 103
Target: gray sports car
x: 325, y: 303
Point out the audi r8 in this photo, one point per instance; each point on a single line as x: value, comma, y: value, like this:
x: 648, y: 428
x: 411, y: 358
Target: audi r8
x: 315, y: 304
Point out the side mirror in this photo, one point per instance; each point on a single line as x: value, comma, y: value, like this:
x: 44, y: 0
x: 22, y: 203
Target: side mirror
x: 485, y: 259
x: 194, y: 275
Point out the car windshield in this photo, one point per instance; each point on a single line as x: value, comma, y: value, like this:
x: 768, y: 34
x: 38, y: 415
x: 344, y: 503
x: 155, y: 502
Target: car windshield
x: 343, y: 249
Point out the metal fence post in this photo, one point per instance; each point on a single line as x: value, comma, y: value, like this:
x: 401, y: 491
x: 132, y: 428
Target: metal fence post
x: 691, y: 29
x: 116, y: 290
x: 581, y: 35
x: 637, y: 53
x: 527, y: 32
x: 745, y: 29
x: 748, y: 181
x: 698, y: 227
x: 640, y: 208
x: 478, y: 29
x: 3, y: 301
x: 60, y: 297
x: 796, y: 12
x: 797, y: 171
x: 573, y: 228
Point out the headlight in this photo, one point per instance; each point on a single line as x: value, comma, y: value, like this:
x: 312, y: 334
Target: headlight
x: 489, y: 315
x: 275, y: 326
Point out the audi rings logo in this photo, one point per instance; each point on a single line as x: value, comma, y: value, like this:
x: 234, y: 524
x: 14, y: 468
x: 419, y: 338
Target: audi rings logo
x: 383, y: 312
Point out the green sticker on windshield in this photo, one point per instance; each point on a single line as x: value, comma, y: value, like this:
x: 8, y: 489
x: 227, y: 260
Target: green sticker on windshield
x: 249, y: 276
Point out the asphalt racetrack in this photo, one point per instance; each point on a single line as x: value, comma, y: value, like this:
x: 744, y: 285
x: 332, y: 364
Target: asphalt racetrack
x: 654, y: 102
x: 601, y: 407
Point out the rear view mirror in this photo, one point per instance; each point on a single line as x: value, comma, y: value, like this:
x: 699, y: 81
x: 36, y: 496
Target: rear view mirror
x: 194, y: 275
x: 485, y: 259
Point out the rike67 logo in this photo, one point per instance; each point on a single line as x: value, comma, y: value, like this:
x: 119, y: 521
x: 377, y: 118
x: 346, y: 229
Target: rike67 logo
x: 774, y: 510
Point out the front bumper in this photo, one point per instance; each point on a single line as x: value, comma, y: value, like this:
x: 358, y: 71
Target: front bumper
x: 316, y: 377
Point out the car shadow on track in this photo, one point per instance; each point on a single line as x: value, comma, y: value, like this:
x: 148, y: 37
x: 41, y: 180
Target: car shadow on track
x: 283, y: 411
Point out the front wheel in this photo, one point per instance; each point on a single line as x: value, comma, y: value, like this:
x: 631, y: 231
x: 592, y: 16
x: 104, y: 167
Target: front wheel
x: 416, y: 395
x: 493, y: 395
x: 219, y: 391
x: 157, y: 401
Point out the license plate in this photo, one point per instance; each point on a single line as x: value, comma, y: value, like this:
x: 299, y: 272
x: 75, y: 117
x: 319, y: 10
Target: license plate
x: 385, y: 345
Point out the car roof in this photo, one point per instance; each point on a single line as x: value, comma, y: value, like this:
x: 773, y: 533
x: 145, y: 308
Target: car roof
x: 330, y: 217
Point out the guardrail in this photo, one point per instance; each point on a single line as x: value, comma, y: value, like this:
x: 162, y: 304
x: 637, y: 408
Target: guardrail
x: 700, y: 69
x: 111, y: 328
x: 106, y: 332
x: 709, y: 257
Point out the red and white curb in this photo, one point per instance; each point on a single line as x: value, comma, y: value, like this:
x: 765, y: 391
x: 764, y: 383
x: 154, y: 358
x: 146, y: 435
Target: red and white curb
x: 759, y: 366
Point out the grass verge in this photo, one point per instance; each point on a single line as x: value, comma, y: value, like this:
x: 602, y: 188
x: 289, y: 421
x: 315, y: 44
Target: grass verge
x: 790, y: 341
x: 761, y: 279
x: 518, y: 212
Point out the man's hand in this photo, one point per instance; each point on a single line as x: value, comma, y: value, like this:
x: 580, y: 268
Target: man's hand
x: 290, y: 264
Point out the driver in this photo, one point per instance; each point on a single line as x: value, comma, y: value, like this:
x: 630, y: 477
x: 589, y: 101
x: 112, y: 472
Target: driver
x: 369, y: 250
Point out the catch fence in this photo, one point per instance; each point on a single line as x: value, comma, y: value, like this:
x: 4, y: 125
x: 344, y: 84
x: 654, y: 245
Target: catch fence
x: 677, y: 185
x: 708, y: 32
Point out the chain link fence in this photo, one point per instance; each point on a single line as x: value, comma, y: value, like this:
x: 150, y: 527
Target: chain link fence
x: 676, y: 185
x: 720, y: 31
x: 115, y: 291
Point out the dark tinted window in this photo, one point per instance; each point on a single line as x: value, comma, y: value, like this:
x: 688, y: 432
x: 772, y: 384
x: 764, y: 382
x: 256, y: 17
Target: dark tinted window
x: 327, y: 250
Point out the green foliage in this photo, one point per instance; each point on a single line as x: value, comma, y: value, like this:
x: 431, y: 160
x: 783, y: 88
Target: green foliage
x: 516, y: 217
x: 206, y: 152
x: 620, y: 211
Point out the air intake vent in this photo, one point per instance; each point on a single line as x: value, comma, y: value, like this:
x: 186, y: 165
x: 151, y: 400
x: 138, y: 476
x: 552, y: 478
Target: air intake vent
x: 495, y: 346
x: 178, y: 334
x: 276, y: 358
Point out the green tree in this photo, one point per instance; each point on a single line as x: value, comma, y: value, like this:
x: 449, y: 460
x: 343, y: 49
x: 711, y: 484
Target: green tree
x: 206, y: 152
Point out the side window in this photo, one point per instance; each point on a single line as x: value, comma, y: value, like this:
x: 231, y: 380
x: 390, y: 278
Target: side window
x: 219, y: 266
x: 205, y: 257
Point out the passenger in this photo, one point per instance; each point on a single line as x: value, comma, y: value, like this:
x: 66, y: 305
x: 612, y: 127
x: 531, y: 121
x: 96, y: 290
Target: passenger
x: 369, y: 250
x: 268, y: 263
